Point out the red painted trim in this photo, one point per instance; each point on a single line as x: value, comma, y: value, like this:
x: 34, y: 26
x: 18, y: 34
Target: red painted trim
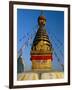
x: 41, y: 57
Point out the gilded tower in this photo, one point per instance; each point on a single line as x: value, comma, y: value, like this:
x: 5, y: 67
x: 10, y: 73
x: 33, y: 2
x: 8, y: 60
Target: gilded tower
x: 41, y: 51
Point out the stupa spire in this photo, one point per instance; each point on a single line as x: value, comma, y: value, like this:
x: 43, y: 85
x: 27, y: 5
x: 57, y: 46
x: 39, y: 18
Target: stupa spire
x: 41, y: 51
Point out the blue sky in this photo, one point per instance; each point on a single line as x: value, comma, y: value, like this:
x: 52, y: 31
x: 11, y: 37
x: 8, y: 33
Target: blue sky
x: 27, y: 25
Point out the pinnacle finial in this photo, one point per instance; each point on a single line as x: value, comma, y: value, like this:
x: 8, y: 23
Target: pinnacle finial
x: 41, y: 20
